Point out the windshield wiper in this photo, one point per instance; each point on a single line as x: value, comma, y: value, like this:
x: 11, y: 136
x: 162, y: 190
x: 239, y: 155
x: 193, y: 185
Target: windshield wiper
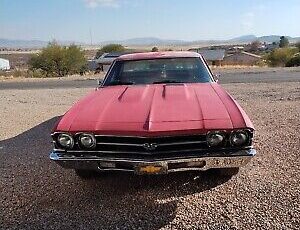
x: 167, y: 81
x: 121, y: 83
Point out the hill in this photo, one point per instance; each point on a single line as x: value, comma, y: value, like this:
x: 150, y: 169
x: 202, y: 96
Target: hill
x: 148, y: 41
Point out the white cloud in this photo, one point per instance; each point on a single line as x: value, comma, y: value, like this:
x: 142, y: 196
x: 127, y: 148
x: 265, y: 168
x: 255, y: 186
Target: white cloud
x: 104, y: 3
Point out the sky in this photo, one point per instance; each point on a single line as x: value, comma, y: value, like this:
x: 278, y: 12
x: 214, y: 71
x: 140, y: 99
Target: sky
x: 107, y: 20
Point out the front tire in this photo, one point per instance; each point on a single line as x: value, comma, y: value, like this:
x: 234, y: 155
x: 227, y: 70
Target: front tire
x: 228, y: 171
x: 85, y: 174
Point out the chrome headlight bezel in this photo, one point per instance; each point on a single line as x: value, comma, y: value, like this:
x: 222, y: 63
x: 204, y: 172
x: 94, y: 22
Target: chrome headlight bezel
x: 68, y: 136
x: 234, y: 134
x: 91, y: 137
x: 217, y: 134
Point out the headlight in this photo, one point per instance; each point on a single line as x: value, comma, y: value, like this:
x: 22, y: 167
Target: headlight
x: 239, y: 138
x: 87, y: 141
x: 214, y: 139
x: 65, y: 140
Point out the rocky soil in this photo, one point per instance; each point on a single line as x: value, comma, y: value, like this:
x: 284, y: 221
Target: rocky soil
x: 37, y: 194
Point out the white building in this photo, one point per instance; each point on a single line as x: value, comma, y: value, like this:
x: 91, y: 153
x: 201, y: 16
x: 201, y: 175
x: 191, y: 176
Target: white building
x: 4, y: 64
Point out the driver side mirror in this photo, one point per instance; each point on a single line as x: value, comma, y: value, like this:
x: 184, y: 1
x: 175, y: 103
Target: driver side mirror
x: 216, y: 77
x: 99, y: 81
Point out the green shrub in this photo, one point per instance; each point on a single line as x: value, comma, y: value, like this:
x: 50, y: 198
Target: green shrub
x: 110, y: 48
x: 294, y: 61
x: 58, y: 61
x: 262, y: 62
x: 18, y: 73
x: 35, y: 74
x: 281, y: 56
x: 154, y: 49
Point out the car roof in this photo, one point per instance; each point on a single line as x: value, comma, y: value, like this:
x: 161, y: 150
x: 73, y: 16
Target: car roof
x: 158, y: 55
x: 116, y: 54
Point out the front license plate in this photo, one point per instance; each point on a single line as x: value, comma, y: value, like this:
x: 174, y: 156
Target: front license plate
x: 229, y: 162
x: 151, y: 169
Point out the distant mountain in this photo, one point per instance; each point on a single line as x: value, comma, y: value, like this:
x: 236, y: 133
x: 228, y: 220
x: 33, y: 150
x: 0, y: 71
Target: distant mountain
x: 148, y: 41
x: 245, y: 38
x: 8, y: 43
x: 152, y: 41
x: 30, y: 44
x: 267, y: 39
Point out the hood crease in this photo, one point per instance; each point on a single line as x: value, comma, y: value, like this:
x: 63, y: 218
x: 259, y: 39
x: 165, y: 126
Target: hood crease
x: 224, y: 106
x: 147, y: 125
x: 200, y: 107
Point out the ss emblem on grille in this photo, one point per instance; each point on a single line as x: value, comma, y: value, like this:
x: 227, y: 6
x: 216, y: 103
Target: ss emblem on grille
x: 150, y: 146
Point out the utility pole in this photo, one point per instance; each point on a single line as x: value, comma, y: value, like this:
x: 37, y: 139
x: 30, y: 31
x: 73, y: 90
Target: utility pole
x: 91, y: 37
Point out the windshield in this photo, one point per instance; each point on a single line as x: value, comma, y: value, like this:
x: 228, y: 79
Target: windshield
x: 158, y: 71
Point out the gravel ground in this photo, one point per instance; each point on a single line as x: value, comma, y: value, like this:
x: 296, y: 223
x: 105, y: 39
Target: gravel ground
x: 38, y: 194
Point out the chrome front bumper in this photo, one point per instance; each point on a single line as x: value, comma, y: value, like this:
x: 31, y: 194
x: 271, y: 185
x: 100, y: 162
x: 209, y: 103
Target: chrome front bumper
x: 239, y: 159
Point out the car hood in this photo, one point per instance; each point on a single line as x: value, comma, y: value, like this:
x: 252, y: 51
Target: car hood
x: 152, y: 109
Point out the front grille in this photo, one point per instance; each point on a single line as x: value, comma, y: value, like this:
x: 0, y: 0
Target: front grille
x: 150, y: 145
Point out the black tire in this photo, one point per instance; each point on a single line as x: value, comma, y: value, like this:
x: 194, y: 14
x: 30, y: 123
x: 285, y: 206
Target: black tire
x: 85, y: 174
x: 228, y: 171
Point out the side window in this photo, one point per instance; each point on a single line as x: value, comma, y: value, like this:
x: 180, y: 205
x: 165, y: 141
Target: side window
x: 114, y: 73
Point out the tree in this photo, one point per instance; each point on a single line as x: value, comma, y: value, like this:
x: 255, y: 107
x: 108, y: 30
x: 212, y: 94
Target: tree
x: 284, y: 42
x: 58, y: 61
x: 254, y: 46
x: 110, y: 48
x: 154, y: 49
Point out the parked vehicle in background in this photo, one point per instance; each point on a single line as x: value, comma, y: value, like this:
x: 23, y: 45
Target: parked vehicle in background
x: 92, y: 65
x: 4, y: 64
x: 106, y: 59
x: 155, y: 113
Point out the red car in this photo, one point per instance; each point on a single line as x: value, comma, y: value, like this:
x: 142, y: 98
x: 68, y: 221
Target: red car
x: 155, y: 113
